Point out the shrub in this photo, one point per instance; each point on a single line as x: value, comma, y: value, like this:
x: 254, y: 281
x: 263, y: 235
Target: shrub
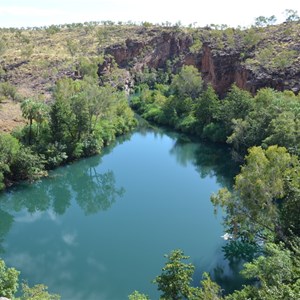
x: 8, y: 90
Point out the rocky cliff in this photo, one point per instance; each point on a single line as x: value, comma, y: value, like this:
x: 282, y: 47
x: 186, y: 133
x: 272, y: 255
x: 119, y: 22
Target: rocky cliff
x: 33, y: 60
x: 253, y: 58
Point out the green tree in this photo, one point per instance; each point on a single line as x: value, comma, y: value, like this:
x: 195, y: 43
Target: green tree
x: 100, y: 101
x: 8, y: 90
x: 252, y: 128
x: 9, y: 149
x: 251, y: 37
x: 291, y: 15
x: 265, y: 181
x: 236, y: 105
x: 137, y: 296
x: 206, y: 108
x: 8, y: 280
x: 188, y: 83
x: 27, y: 165
x: 87, y: 67
x: 37, y: 292
x: 175, y: 282
x: 33, y: 111
x: 262, y: 21
x: 284, y: 130
x: 176, y: 277
x: 277, y: 274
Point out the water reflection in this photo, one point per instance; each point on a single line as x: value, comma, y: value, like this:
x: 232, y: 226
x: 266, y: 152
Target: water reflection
x: 209, y: 160
x: 92, y: 190
x: 96, y: 191
x: 76, y: 253
x: 6, y: 221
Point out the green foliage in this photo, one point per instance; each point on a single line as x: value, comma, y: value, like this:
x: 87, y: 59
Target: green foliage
x: 2, y: 46
x: 8, y: 90
x: 147, y: 76
x: 285, y: 59
x: 262, y: 21
x: 265, y: 122
x: 137, y: 296
x: 174, y: 282
x: 52, y: 29
x: 37, y: 292
x: 27, y: 51
x: 196, y: 46
x: 188, y: 83
x: 291, y: 15
x: 237, y: 250
x: 266, y: 180
x: 55, y: 155
x: 9, y: 286
x: 9, y: 150
x: 284, y: 130
x: 8, y: 280
x: 27, y: 165
x: 276, y: 273
x: 87, y: 67
x: 73, y: 47
x: 209, y: 290
x: 80, y: 109
x: 251, y: 38
x: 206, y: 108
x: 273, y: 59
x: 34, y: 111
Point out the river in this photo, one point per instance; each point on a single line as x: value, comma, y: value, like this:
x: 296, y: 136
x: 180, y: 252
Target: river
x: 98, y: 228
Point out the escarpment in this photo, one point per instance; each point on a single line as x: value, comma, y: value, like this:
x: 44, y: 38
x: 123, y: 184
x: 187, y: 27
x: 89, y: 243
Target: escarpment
x: 270, y: 61
x: 253, y: 58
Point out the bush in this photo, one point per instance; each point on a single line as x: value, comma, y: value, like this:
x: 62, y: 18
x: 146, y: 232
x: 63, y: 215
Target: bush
x: 91, y: 145
x: 27, y: 165
x: 8, y: 90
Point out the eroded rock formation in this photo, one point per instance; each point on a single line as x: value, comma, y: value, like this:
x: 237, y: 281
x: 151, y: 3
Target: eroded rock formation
x: 221, y: 68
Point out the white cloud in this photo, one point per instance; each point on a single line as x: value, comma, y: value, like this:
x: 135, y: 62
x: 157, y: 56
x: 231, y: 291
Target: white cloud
x: 96, y: 264
x: 26, y: 217
x: 70, y: 239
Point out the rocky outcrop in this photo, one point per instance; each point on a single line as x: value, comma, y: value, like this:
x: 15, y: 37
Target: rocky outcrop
x: 123, y: 54
x: 221, y: 68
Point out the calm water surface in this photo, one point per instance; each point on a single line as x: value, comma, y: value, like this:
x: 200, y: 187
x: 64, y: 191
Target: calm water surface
x: 98, y: 229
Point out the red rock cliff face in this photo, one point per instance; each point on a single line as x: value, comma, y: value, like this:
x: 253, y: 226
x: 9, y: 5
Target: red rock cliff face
x: 221, y: 68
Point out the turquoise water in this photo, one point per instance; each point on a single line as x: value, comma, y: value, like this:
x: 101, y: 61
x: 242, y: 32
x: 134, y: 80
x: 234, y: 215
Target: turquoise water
x: 98, y: 229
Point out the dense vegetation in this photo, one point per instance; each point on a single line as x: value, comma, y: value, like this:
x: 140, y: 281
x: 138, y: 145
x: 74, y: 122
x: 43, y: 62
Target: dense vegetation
x: 83, y: 118
x: 264, y: 206
x: 83, y: 114
x: 240, y: 119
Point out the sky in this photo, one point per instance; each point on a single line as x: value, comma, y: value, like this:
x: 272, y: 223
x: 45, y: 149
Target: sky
x: 28, y: 13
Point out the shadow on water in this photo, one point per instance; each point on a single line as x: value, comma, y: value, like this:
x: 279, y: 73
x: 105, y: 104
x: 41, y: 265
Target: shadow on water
x: 224, y: 272
x: 209, y: 159
x: 6, y: 221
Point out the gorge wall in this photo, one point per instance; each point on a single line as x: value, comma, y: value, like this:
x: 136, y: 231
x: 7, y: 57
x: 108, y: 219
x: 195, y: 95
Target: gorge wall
x: 220, y: 67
